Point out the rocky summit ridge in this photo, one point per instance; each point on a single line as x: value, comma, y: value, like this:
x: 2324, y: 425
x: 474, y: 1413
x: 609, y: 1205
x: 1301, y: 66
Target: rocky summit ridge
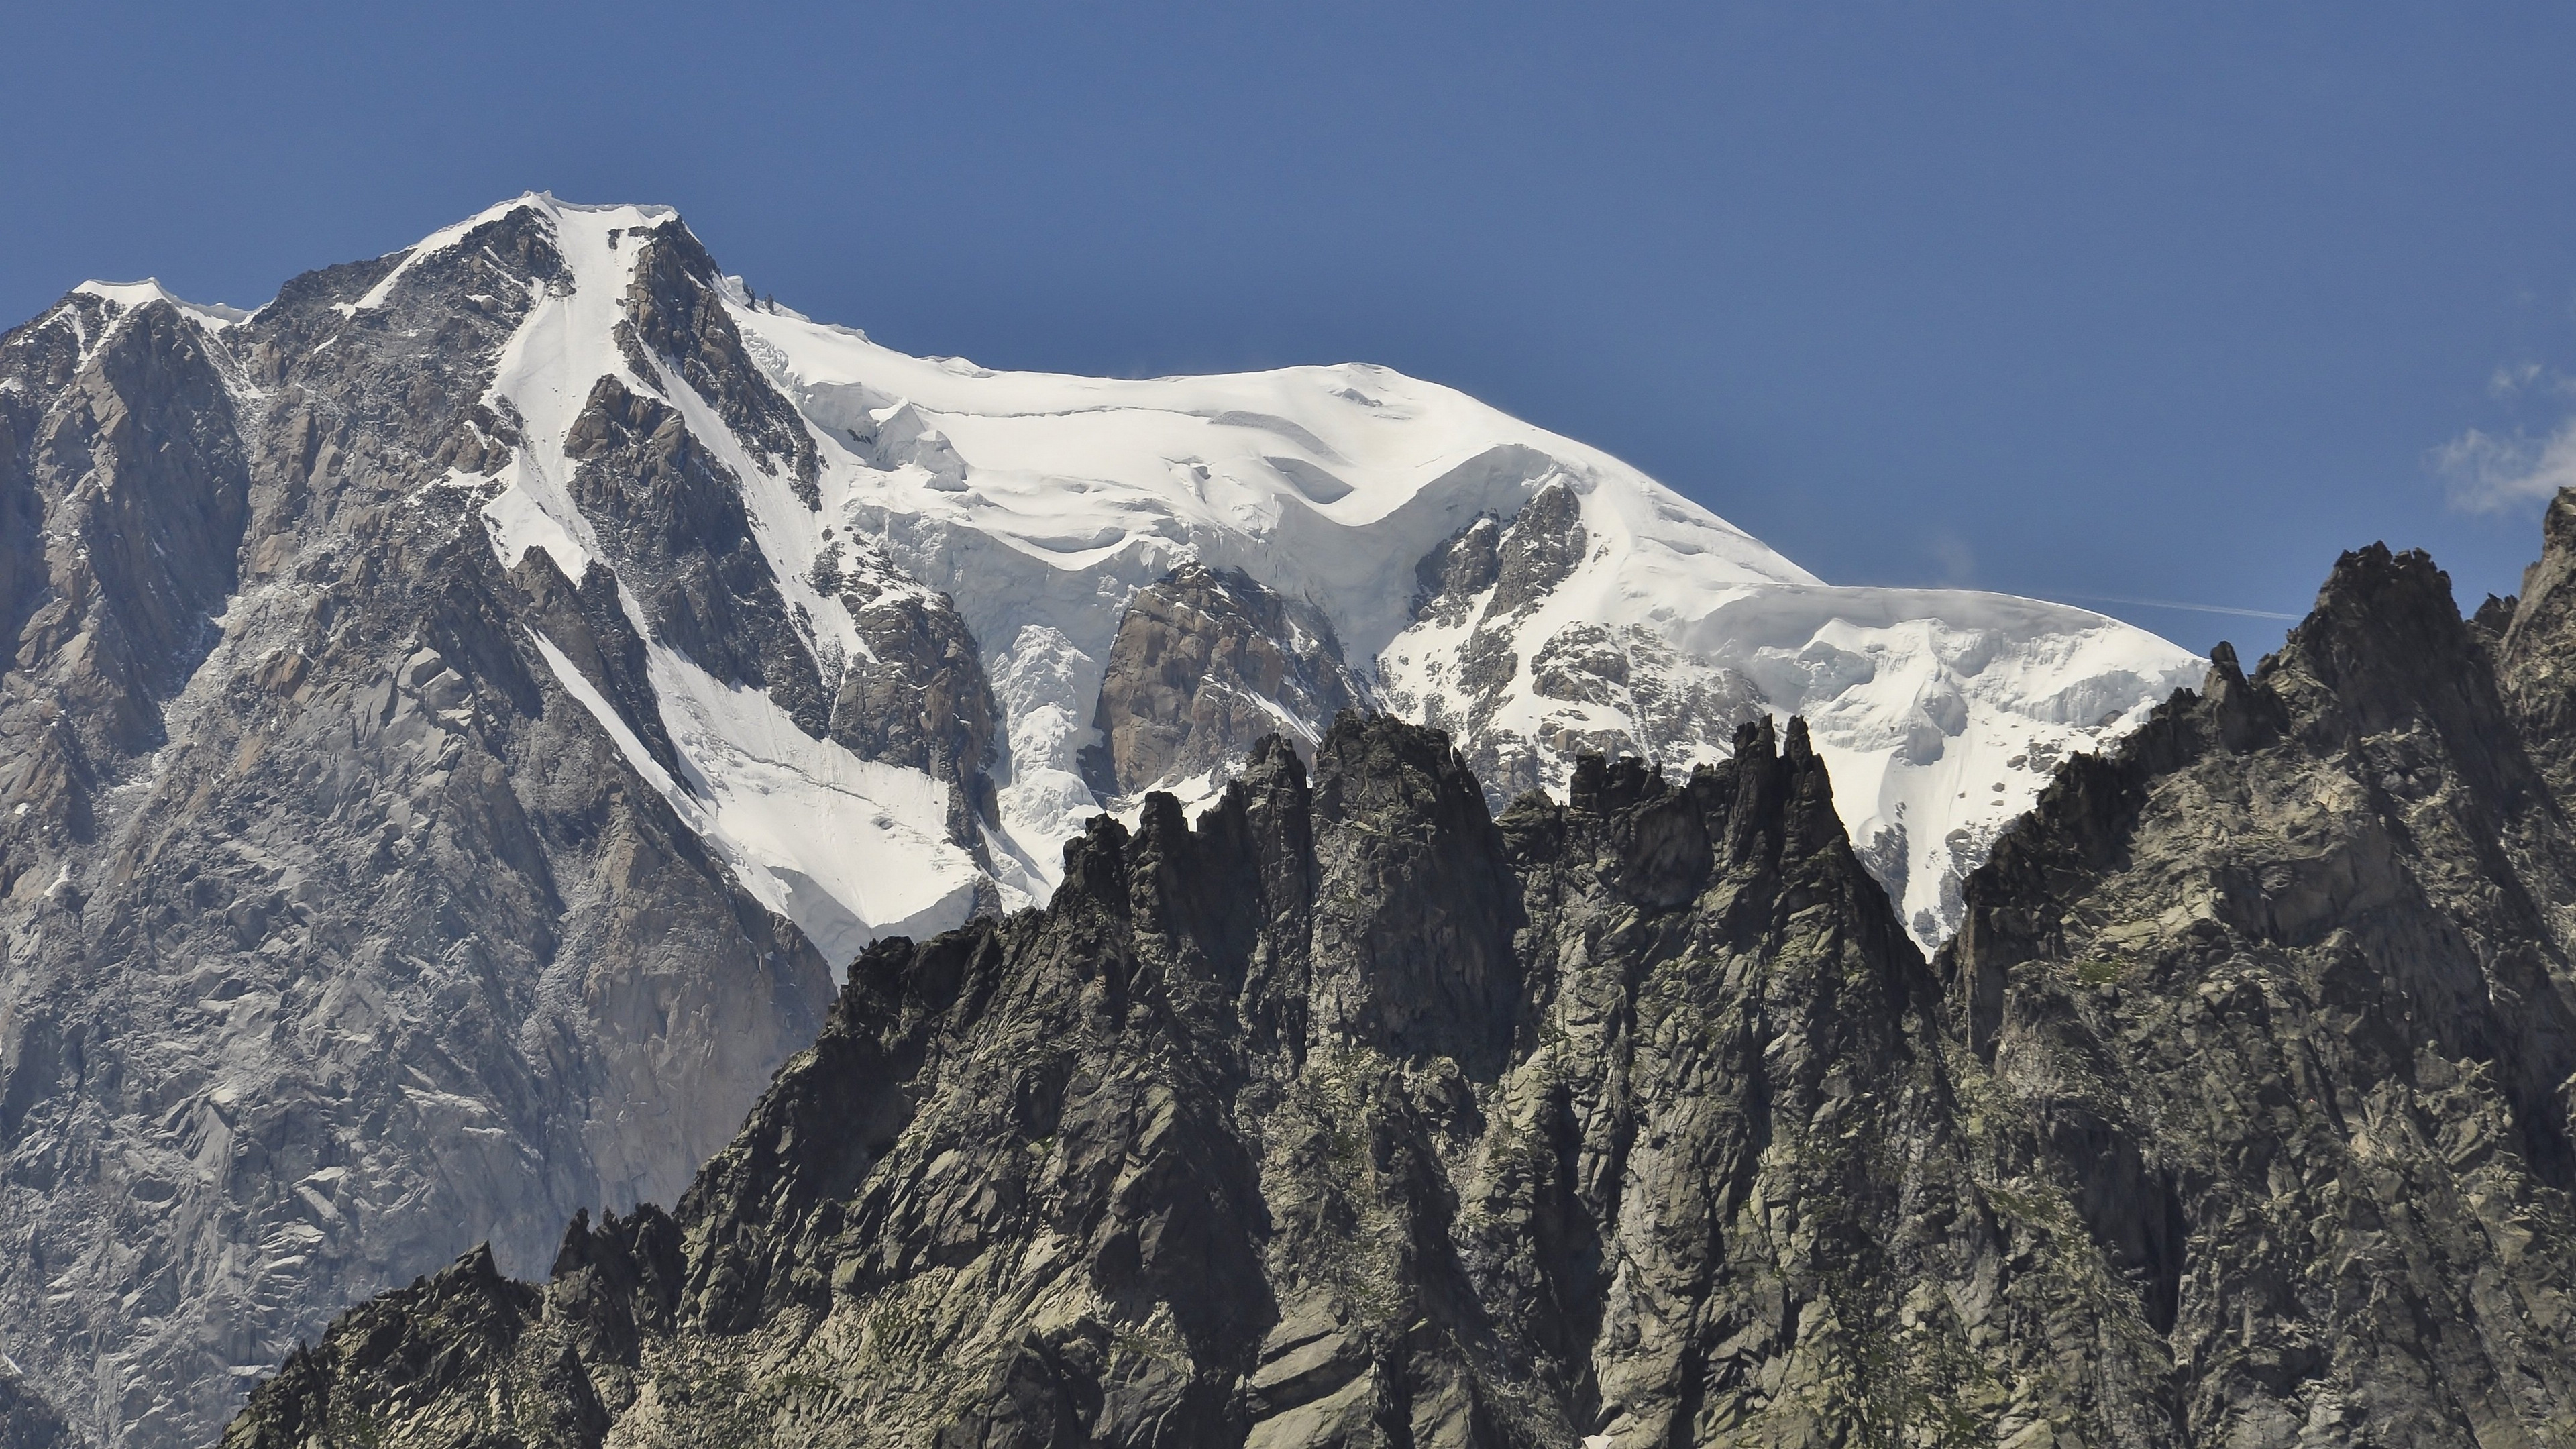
x: 2237, y: 1114
x: 458, y: 718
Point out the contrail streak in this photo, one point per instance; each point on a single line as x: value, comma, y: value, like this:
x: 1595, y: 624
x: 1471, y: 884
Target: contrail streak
x: 2178, y: 604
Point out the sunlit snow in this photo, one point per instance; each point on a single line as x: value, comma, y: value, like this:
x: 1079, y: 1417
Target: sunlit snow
x: 1040, y: 503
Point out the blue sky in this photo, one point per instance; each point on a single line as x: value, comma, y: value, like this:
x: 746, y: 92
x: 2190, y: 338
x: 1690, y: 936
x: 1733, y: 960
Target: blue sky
x: 2098, y: 302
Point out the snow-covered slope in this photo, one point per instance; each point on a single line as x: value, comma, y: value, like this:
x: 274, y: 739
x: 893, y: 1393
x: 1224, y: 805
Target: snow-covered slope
x: 431, y: 697
x: 1039, y: 501
x: 847, y: 848
x: 1040, y: 504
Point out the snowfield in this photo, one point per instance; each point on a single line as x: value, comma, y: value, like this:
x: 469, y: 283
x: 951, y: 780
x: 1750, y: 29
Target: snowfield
x: 1041, y: 503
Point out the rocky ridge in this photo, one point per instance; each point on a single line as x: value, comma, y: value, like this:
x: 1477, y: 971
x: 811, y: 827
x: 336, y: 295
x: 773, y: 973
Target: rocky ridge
x: 334, y: 931
x: 1204, y: 666
x: 1347, y: 1115
x: 2291, y: 971
x: 454, y: 720
x: 1621, y: 689
x: 2237, y: 1115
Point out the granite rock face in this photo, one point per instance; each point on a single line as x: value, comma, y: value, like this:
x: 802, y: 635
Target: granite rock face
x: 454, y: 720
x: 2239, y: 1114
x: 336, y: 935
x: 1348, y: 1115
x: 670, y: 518
x: 2282, y: 995
x: 675, y: 315
x: 915, y: 693
x: 26, y: 1420
x: 1205, y: 665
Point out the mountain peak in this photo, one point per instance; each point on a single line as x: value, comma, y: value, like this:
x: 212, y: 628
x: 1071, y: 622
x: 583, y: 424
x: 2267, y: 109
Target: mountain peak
x: 547, y: 666
x: 214, y: 316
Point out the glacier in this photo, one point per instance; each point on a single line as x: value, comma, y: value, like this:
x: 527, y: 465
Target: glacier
x: 466, y: 712
x: 1041, y: 503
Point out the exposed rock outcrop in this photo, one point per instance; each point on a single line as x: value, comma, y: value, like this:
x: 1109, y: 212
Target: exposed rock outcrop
x: 1599, y: 688
x: 26, y: 1420
x: 1349, y: 1115
x: 1206, y: 664
x: 916, y: 695
x: 126, y: 491
x: 2237, y: 1115
x: 335, y: 934
x: 449, y: 717
x: 675, y: 313
x: 672, y: 516
x: 2281, y: 996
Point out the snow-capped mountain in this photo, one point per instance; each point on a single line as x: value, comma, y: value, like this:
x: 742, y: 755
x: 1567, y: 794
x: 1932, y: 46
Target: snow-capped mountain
x: 1618, y: 617
x: 460, y: 716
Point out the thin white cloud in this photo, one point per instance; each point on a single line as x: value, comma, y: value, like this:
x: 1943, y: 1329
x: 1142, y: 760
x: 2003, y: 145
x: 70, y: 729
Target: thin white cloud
x: 2487, y: 472
x: 2506, y: 381
x: 2179, y: 604
x: 1956, y: 560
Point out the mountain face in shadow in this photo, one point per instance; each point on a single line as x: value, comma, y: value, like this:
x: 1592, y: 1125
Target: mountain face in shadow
x: 2238, y: 1113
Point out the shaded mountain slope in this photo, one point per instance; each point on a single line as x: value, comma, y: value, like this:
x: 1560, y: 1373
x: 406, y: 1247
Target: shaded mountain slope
x: 1348, y: 1115
x: 2237, y: 1115
x: 2283, y: 994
